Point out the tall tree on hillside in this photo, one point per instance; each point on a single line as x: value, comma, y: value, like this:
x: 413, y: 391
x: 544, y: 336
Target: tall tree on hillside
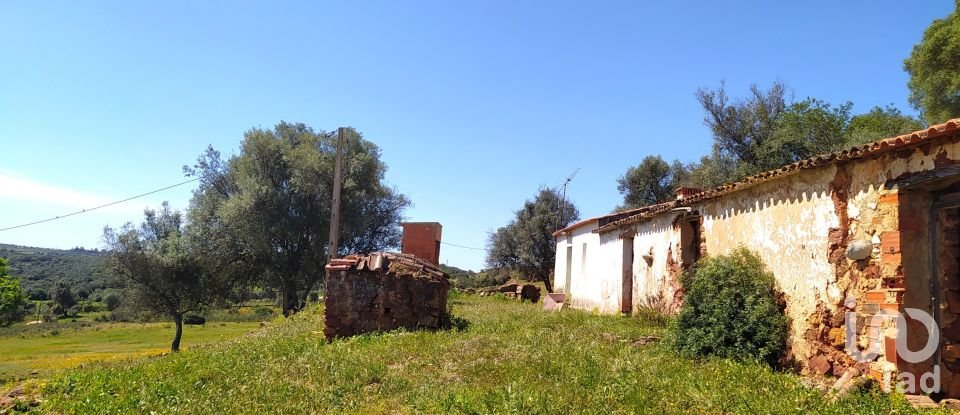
x: 934, y: 69
x: 11, y: 296
x: 63, y: 298
x: 526, y: 243
x: 266, y: 211
x: 160, y: 269
x: 650, y: 182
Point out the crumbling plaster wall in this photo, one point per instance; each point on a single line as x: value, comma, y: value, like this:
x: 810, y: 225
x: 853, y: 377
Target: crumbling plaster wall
x: 897, y: 222
x: 787, y: 223
x: 801, y: 224
x: 659, y: 240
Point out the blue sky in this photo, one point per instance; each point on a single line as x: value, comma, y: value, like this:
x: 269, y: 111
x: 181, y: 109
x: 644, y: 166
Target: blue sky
x: 476, y: 104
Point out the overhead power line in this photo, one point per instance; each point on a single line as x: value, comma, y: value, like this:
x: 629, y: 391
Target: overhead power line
x: 99, y: 207
x: 147, y: 194
x: 464, y: 247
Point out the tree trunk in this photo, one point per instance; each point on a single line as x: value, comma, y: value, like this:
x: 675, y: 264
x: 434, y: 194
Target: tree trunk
x: 178, y: 320
x: 289, y: 299
x: 548, y: 284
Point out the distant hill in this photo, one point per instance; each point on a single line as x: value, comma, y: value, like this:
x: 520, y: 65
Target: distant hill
x: 38, y: 269
x: 457, y: 273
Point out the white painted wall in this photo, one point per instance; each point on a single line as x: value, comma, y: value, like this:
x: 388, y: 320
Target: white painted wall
x: 656, y: 237
x: 594, y: 284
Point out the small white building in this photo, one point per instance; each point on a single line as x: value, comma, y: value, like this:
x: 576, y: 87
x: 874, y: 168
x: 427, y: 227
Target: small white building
x: 591, y: 267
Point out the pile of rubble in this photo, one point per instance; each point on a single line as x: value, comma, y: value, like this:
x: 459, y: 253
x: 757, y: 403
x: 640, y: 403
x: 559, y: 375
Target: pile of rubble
x: 383, y: 291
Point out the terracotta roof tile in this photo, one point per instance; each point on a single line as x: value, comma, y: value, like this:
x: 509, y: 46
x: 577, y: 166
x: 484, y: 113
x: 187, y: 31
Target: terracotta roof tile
x: 624, y: 213
x: 387, y: 261
x: 853, y: 153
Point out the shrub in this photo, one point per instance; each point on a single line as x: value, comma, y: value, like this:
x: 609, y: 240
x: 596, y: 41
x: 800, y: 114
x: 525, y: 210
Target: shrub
x: 731, y: 309
x: 112, y: 300
x: 194, y: 319
x: 655, y: 310
x: 263, y: 312
x: 92, y: 307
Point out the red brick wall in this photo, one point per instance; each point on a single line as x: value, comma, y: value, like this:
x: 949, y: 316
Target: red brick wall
x: 423, y: 240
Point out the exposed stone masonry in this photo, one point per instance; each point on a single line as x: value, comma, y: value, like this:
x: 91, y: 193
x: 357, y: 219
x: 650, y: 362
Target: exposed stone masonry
x: 383, y: 291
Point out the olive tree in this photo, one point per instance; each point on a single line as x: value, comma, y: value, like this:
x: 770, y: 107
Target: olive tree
x: 526, y: 243
x: 161, y: 269
x: 265, y: 212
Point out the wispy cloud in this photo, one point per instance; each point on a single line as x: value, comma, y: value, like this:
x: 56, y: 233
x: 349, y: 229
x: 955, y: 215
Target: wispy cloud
x: 23, y: 190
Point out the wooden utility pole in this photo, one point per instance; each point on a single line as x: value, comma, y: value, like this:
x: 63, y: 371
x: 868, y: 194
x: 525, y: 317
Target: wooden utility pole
x: 335, y: 211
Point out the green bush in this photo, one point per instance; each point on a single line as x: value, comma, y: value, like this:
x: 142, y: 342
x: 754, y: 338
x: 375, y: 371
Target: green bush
x: 92, y: 306
x: 112, y: 300
x: 654, y: 309
x: 731, y: 309
x: 263, y: 312
x: 194, y: 320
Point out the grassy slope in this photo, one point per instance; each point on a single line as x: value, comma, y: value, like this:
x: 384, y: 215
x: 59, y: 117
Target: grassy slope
x: 73, y: 347
x: 512, y: 358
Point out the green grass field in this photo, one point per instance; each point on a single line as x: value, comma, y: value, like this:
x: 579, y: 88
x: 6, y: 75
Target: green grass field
x: 512, y: 358
x: 46, y: 352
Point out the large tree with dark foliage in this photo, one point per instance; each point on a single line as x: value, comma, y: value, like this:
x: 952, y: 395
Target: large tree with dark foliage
x: 526, y: 243
x: 767, y: 130
x: 265, y: 213
x: 763, y: 131
x: 161, y: 268
x: 934, y: 68
x: 63, y: 298
x: 743, y: 128
x: 879, y: 123
x: 650, y: 182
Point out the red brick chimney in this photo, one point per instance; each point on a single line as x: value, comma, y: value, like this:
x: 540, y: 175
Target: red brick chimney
x: 423, y: 240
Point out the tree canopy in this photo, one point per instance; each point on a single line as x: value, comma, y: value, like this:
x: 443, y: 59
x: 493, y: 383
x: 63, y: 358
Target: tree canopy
x: 161, y: 269
x: 763, y: 131
x: 11, y: 296
x: 526, y: 243
x: 880, y: 123
x: 934, y: 69
x: 265, y: 213
x: 650, y: 182
x: 63, y: 297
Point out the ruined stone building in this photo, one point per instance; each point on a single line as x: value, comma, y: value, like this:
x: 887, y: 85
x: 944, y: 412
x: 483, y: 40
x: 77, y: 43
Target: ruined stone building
x: 872, y: 228
x: 383, y: 291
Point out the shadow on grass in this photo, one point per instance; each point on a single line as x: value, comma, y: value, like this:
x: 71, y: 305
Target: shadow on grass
x: 452, y: 322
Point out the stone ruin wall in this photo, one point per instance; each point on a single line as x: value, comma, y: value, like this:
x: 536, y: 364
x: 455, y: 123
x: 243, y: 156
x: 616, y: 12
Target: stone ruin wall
x: 382, y: 292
